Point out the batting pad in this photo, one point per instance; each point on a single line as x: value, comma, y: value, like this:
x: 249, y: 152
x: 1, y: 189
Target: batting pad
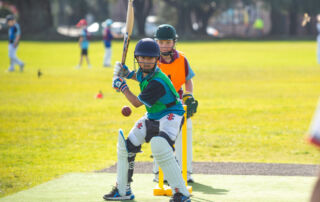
x: 122, y: 166
x: 315, y: 127
x: 163, y: 155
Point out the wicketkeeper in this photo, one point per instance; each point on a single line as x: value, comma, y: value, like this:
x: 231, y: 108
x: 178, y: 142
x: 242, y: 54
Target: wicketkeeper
x: 159, y: 126
x: 176, y: 66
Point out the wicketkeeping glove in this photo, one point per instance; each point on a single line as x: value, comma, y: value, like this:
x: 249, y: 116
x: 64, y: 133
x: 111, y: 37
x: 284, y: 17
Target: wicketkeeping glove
x: 122, y: 71
x: 119, y: 84
x: 191, y: 103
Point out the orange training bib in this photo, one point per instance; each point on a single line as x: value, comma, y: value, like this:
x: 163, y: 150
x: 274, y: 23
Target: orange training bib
x: 175, y: 71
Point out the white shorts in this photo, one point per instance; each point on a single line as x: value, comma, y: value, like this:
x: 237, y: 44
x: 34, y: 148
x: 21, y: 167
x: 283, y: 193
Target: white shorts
x: 170, y: 124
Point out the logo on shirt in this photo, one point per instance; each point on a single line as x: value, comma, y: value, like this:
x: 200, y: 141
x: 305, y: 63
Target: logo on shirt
x: 170, y: 117
x: 139, y: 126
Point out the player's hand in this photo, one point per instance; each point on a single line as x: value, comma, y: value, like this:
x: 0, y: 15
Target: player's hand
x: 122, y: 71
x: 191, y: 103
x: 119, y: 84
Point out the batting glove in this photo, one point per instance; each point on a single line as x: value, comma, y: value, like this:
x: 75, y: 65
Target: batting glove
x: 191, y: 103
x: 119, y: 84
x: 122, y: 71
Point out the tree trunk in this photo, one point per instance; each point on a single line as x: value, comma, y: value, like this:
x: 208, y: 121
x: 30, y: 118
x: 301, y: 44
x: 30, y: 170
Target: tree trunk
x: 184, y: 26
x: 142, y: 10
x: 277, y: 21
x: 34, y: 16
x: 293, y: 17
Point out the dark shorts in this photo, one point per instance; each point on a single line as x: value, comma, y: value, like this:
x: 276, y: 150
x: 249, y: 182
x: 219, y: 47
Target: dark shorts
x: 84, y: 51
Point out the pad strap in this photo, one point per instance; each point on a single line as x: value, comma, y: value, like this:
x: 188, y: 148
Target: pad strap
x: 152, y: 127
x: 132, y: 150
x: 165, y: 136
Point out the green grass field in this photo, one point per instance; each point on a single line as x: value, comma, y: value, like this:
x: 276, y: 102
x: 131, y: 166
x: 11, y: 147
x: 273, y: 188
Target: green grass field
x: 256, y: 102
x: 84, y: 187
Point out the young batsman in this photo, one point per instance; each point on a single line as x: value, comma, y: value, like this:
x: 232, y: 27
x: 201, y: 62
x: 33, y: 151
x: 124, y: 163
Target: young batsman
x: 83, y: 42
x: 176, y: 66
x: 160, y: 125
x: 14, y: 39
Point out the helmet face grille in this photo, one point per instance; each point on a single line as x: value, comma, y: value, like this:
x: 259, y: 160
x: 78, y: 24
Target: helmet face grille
x: 147, y: 47
x: 166, y: 32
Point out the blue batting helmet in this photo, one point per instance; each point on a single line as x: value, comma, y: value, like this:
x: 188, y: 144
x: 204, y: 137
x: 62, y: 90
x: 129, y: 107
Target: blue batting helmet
x: 147, y: 47
x: 108, y: 22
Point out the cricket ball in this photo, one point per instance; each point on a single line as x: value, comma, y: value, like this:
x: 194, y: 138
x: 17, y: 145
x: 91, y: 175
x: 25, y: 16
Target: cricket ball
x: 126, y: 111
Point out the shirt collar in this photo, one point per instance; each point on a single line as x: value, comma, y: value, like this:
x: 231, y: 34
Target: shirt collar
x: 175, y: 55
x: 140, y: 77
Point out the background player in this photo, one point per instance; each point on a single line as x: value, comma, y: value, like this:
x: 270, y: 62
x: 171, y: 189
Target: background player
x: 315, y: 139
x: 14, y: 39
x: 84, y: 42
x: 108, y: 36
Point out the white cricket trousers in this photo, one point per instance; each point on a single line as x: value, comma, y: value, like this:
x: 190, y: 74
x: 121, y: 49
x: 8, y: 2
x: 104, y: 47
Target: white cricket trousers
x: 107, y: 57
x: 13, y: 57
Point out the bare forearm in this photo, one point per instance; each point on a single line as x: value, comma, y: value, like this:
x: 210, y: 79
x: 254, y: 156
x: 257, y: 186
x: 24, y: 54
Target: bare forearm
x: 132, y: 98
x: 80, y: 41
x: 189, y: 86
x: 134, y: 77
x: 17, y: 40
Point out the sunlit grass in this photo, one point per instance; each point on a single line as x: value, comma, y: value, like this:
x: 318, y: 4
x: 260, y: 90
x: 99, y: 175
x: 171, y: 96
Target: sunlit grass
x: 256, y: 100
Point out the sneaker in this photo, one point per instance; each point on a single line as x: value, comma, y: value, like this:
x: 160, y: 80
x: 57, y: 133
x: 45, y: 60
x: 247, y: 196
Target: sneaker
x: 178, y: 197
x: 89, y: 66
x: 190, y: 178
x: 78, y: 67
x: 115, y: 196
x: 21, y: 67
x: 10, y: 69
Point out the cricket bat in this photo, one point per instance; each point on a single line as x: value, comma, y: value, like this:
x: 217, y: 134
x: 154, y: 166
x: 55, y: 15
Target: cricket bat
x: 129, y: 27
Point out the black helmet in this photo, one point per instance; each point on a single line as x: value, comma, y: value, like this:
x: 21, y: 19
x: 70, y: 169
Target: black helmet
x: 166, y: 32
x: 147, y: 47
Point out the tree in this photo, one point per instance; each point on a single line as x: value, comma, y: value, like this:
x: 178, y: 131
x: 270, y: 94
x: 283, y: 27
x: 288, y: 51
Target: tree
x: 143, y: 8
x: 34, y: 16
x: 280, y: 9
x: 204, y: 9
x: 183, y: 13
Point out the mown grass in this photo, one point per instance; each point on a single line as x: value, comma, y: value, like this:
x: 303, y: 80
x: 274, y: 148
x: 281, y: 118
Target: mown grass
x: 256, y: 102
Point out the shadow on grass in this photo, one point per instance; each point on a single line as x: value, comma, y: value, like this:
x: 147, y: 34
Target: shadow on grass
x: 207, y: 189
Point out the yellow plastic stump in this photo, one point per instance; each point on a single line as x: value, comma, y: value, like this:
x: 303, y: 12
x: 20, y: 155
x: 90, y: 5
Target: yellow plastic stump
x: 164, y: 190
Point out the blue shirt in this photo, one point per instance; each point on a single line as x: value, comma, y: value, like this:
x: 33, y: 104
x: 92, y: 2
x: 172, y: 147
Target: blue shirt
x: 158, y: 90
x: 13, y: 32
x: 85, y: 41
x: 107, y: 38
